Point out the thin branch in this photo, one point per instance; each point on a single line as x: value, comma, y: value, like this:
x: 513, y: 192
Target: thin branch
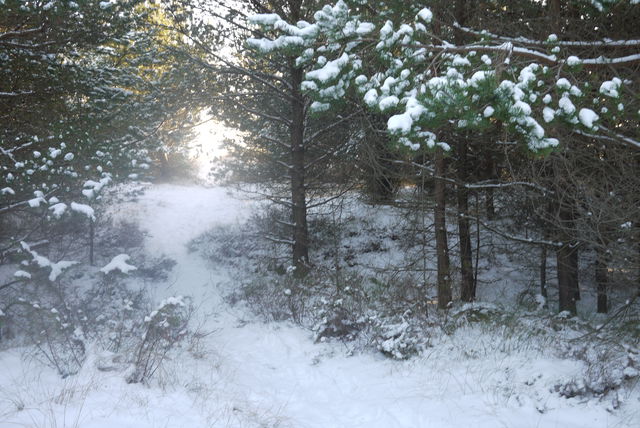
x: 623, y: 138
x: 28, y: 45
x: 326, y: 201
x: 324, y: 156
x: 9, y: 284
x: 329, y: 127
x: 278, y: 240
x: 259, y: 76
x: 258, y: 113
x: 479, y: 185
x: 551, y: 60
x: 617, y: 138
x: 20, y: 33
x: 284, y: 164
x: 567, y: 43
x: 620, y: 311
x: 285, y: 223
x: 276, y: 141
x: 493, y: 185
x: 15, y: 94
x: 513, y: 237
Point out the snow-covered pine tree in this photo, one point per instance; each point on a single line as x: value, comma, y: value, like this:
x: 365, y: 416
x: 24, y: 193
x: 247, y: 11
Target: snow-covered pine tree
x: 85, y: 88
x: 297, y: 160
x: 439, y: 86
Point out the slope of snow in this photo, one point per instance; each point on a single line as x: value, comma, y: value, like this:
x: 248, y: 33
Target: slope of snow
x: 273, y: 375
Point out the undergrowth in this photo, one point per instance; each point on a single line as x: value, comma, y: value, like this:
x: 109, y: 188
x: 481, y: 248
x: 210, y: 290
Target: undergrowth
x: 394, y: 312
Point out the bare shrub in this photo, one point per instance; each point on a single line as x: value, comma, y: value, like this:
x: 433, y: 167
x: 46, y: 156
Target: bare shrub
x: 163, y: 329
x: 58, y: 341
x: 124, y: 234
x: 276, y: 297
x: 112, y: 315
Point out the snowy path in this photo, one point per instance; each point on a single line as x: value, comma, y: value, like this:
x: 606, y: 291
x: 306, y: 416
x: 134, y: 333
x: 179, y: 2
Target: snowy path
x: 257, y: 375
x: 273, y: 375
x: 173, y: 215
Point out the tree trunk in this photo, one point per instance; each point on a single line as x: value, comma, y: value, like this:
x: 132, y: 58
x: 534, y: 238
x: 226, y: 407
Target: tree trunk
x: 442, y: 246
x: 566, y: 292
x: 379, y: 170
x: 575, y: 284
x: 544, y: 251
x: 602, y: 280
x: 567, y: 257
x: 543, y: 271
x: 555, y: 16
x: 638, y: 261
x: 467, y: 290
x: 92, y: 234
x: 298, y: 191
x: 489, y: 204
x: 490, y: 170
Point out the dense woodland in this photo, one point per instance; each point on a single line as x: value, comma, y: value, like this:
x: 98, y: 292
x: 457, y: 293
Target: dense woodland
x: 530, y: 108
x: 518, y: 120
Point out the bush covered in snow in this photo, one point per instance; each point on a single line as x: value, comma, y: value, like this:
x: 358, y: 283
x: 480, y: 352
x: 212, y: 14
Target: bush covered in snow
x: 163, y: 329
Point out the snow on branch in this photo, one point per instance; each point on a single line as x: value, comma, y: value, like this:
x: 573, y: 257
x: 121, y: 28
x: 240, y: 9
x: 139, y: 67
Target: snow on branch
x: 83, y: 209
x: 20, y: 33
x: 492, y: 185
x: 551, y: 60
x: 15, y: 94
x: 119, y: 263
x: 43, y: 262
x: 601, y: 60
x: 58, y: 209
x: 27, y: 45
x: 565, y: 43
x: 276, y: 240
x: 623, y: 138
x: 616, y: 137
x: 9, y: 152
x: 12, y: 206
x: 32, y: 202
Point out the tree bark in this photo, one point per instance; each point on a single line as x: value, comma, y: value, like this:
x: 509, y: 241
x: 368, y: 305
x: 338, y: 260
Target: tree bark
x: 602, y: 280
x: 638, y: 258
x: 567, y: 257
x: 467, y: 289
x: 567, y: 296
x: 489, y: 204
x: 543, y: 271
x: 91, y: 241
x: 490, y: 171
x: 298, y: 191
x: 442, y: 246
x: 555, y: 15
x: 575, y: 283
x: 378, y: 167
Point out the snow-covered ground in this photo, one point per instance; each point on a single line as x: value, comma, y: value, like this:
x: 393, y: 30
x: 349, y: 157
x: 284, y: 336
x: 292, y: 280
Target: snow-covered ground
x: 250, y: 374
